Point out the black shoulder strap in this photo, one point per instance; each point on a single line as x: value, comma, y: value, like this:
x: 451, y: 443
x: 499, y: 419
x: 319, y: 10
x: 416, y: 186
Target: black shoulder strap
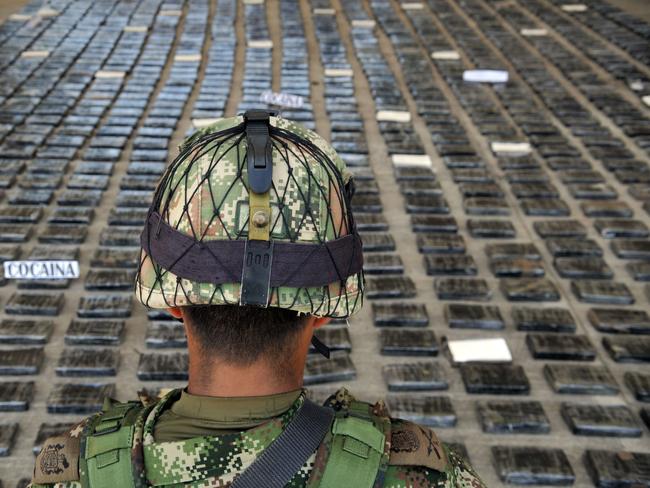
x: 279, y: 462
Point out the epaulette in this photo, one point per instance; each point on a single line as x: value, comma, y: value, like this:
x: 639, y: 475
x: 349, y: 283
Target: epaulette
x: 65, y: 457
x: 58, y: 460
x: 415, y: 445
x: 360, y: 443
x: 410, y: 444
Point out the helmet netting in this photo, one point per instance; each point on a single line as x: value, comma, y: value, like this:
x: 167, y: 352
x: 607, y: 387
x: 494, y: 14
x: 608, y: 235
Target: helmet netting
x: 204, y: 194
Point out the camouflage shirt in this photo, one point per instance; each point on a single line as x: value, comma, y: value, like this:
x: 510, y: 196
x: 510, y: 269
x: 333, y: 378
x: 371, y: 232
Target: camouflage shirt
x: 413, y: 457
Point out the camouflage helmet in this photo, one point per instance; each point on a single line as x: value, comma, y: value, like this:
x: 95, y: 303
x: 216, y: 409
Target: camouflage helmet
x: 255, y: 210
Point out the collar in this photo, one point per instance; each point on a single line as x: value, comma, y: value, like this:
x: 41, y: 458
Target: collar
x: 234, y: 412
x: 220, y: 457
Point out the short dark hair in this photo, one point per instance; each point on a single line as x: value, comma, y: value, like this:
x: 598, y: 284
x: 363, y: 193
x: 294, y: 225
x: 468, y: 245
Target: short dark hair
x: 244, y: 334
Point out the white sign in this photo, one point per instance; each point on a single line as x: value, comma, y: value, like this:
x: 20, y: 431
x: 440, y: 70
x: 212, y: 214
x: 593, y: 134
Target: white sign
x: 136, y: 28
x: 574, y: 7
x: 186, y: 58
x: 484, y: 350
x: 533, y: 32
x: 402, y: 160
x: 47, y: 12
x: 19, y: 17
x: 485, y: 76
x: 338, y: 72
x: 636, y: 85
x: 393, y: 116
x: 363, y: 23
x: 260, y: 44
x: 109, y: 74
x: 445, y: 55
x: 412, y: 6
x: 34, y: 54
x: 511, y: 147
x: 41, y: 270
x: 324, y: 11
x: 646, y: 100
x: 282, y: 99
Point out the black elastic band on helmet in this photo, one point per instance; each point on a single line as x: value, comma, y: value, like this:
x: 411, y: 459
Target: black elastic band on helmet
x: 294, y: 265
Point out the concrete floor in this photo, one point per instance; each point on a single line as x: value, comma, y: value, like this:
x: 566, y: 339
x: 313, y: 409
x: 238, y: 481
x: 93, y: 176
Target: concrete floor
x: 8, y: 7
x: 638, y: 8
x: 369, y: 383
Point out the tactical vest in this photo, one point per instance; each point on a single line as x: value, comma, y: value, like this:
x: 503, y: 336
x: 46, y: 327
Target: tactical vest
x: 111, y: 447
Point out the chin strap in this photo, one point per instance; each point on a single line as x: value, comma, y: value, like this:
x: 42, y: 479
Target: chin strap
x: 320, y: 347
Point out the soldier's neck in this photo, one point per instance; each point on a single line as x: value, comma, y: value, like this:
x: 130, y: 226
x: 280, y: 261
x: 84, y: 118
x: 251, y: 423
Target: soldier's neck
x: 223, y: 380
x: 210, y: 377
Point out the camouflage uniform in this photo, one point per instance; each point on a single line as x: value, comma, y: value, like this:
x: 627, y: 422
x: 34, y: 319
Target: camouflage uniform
x: 205, y: 196
x: 412, y: 456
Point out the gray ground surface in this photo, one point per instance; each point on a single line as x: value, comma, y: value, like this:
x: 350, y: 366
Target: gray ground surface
x: 365, y: 355
x: 10, y: 7
x: 639, y: 8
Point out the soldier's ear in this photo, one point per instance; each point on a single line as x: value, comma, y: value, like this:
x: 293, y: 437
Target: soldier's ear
x: 176, y: 312
x: 320, y: 322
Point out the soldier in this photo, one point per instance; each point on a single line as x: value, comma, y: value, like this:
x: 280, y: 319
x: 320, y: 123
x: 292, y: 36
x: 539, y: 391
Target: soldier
x: 251, y: 242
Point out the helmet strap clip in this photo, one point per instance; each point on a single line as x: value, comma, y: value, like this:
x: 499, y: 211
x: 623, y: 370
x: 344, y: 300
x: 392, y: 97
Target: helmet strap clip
x: 256, y: 275
x: 259, y: 151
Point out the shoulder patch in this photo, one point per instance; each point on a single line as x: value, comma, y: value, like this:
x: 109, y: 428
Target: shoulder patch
x: 414, y: 445
x: 59, y: 457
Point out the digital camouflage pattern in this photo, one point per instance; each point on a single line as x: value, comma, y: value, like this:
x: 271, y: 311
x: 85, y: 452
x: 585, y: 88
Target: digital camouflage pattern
x: 215, y: 461
x: 206, y: 197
